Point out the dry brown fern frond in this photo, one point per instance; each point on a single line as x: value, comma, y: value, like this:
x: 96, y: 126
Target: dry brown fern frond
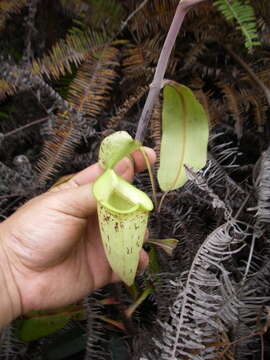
x: 58, y: 149
x: 71, y: 50
x: 7, y: 7
x: 99, y: 15
x: 259, y: 109
x: 197, y: 23
x: 104, y: 14
x: 263, y: 75
x: 134, y: 98
x: 88, y: 95
x: 138, y: 58
x: 262, y: 8
x: 255, y: 101
x: 232, y: 100
x: 75, y: 7
x: 89, y: 91
x: 6, y: 89
x: 191, y: 57
x: 155, y: 16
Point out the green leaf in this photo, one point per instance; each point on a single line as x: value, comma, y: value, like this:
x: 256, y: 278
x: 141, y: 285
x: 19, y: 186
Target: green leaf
x: 114, y: 147
x: 4, y: 115
x: 123, y: 214
x: 184, y: 136
x: 154, y: 266
x: 39, y: 324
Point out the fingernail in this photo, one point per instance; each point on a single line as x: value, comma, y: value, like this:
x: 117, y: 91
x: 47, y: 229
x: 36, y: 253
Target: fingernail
x: 122, y: 166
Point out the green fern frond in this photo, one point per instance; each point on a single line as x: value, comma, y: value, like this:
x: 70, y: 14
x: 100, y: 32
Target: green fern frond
x: 71, y: 50
x: 243, y: 13
x: 89, y: 90
x: 8, y: 7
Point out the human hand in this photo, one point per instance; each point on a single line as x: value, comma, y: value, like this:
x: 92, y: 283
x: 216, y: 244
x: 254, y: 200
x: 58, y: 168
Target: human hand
x: 51, y: 253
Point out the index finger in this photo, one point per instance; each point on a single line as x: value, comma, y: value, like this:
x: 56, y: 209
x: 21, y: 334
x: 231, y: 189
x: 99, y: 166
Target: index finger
x: 92, y: 172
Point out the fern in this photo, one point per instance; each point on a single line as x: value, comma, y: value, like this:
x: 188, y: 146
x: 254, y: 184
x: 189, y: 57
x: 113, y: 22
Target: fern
x: 88, y: 95
x: 58, y: 149
x: 97, y: 14
x: 97, y: 341
x: 206, y: 303
x: 89, y: 90
x: 243, y: 13
x: 71, y: 50
x: 7, y: 7
x: 120, y: 113
x: 234, y: 107
x: 6, y: 89
x: 263, y: 212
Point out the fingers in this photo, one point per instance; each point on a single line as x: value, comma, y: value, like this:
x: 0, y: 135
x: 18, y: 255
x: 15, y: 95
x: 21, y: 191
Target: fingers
x: 144, y: 261
x: 139, y: 162
x: 76, y: 201
x: 91, y: 173
x: 125, y: 168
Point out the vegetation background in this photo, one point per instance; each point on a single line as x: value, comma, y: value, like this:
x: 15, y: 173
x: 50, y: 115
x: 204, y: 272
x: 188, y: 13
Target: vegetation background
x: 72, y: 72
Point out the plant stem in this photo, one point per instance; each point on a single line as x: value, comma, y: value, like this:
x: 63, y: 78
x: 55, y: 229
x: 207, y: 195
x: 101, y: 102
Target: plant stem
x: 150, y: 175
x: 12, y: 132
x: 156, y: 85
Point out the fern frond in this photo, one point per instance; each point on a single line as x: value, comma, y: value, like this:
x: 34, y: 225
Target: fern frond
x: 258, y: 107
x: 58, y: 149
x: 97, y: 14
x: 89, y: 91
x: 7, y: 7
x: 105, y: 14
x: 232, y: 99
x: 154, y: 16
x: 197, y: 50
x: 10, y: 346
x: 263, y: 212
x: 71, y: 50
x: 134, y: 98
x: 138, y: 58
x: 6, y: 89
x: 243, y: 13
x: 206, y: 303
x: 78, y: 7
x: 97, y: 339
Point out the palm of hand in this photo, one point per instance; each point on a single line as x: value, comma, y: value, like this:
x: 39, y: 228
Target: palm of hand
x: 60, y: 260
x: 54, y: 247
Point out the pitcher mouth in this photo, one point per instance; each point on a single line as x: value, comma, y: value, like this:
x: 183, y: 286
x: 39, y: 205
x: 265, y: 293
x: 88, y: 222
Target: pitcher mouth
x: 118, y: 195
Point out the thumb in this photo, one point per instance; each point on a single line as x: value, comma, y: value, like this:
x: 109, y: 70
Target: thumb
x: 77, y: 201
x: 75, y: 196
